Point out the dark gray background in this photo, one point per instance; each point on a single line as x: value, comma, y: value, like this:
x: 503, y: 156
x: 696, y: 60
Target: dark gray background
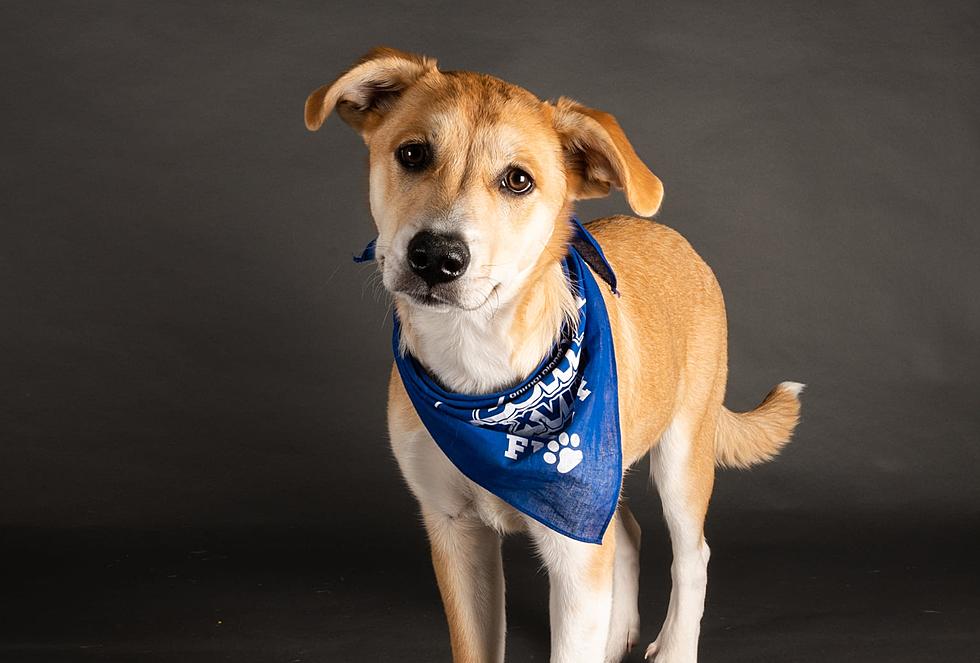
x: 193, y: 463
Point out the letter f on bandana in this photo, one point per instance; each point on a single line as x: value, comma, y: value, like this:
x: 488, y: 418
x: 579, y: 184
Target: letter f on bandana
x: 549, y: 447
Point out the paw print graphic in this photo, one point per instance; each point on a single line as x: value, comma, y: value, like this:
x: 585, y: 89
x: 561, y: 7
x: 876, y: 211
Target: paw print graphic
x: 565, y: 452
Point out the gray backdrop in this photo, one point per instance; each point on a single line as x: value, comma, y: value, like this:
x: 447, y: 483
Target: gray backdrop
x: 188, y: 350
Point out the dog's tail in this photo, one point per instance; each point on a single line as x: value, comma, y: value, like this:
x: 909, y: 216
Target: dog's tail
x: 746, y: 438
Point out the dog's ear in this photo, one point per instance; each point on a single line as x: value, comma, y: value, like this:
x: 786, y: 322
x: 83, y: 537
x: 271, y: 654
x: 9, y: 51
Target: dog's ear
x: 599, y: 156
x: 367, y: 91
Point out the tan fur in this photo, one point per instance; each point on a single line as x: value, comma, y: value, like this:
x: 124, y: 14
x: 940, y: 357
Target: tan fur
x: 462, y: 640
x: 747, y: 438
x: 542, y: 310
x: 467, y: 642
x: 607, y: 155
x: 668, y: 324
x: 600, y: 569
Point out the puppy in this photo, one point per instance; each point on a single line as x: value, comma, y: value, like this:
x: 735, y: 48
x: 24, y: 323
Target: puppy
x: 472, y: 182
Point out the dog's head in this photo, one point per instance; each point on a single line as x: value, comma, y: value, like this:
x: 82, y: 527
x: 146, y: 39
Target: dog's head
x: 472, y: 178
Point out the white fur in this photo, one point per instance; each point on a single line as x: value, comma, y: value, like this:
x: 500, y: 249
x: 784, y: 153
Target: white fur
x: 580, y: 611
x: 624, y: 627
x: 795, y: 388
x: 469, y: 351
x: 678, y: 639
x: 441, y: 489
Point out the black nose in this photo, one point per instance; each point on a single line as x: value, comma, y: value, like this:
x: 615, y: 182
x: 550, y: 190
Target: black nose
x: 438, y: 258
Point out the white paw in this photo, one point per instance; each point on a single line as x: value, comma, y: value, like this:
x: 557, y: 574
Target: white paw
x: 561, y: 451
x: 657, y: 653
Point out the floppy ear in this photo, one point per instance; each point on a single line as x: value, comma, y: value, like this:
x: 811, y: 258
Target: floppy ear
x: 366, y: 92
x: 599, y: 156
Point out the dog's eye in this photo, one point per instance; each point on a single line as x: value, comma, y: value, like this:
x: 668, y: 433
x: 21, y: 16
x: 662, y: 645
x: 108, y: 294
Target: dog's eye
x: 517, y: 181
x: 413, y: 156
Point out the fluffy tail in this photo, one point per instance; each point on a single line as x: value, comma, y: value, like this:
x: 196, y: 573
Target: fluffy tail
x: 746, y: 438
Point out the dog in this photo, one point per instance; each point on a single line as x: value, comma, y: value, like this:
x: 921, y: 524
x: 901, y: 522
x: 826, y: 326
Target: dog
x: 472, y: 183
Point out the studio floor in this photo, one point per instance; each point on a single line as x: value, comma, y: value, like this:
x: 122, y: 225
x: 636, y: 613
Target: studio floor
x: 781, y: 588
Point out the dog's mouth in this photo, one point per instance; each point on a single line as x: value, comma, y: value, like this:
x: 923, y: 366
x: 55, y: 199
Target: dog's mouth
x: 430, y: 300
x: 434, y: 299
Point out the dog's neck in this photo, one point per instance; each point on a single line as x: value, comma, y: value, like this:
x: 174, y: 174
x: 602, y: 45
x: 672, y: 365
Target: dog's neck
x: 484, y: 351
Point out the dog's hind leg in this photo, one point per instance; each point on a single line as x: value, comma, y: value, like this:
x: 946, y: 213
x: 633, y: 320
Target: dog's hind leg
x: 682, y: 465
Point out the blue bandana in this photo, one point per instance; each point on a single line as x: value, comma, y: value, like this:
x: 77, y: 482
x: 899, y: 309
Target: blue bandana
x: 549, y: 447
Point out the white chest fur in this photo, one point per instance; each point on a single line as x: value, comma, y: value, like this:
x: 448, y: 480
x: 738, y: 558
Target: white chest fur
x: 443, y: 490
x: 477, y: 352
x: 469, y: 352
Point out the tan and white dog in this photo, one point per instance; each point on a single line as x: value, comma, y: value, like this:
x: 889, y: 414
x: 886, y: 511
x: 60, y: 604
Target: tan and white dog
x: 472, y: 182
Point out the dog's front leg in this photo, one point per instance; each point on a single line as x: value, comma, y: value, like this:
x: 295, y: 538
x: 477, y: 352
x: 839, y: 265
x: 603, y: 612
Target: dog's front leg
x: 469, y: 571
x: 581, y: 595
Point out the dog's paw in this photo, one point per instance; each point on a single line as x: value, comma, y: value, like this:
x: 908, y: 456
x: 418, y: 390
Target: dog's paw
x: 672, y: 652
x: 565, y: 452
